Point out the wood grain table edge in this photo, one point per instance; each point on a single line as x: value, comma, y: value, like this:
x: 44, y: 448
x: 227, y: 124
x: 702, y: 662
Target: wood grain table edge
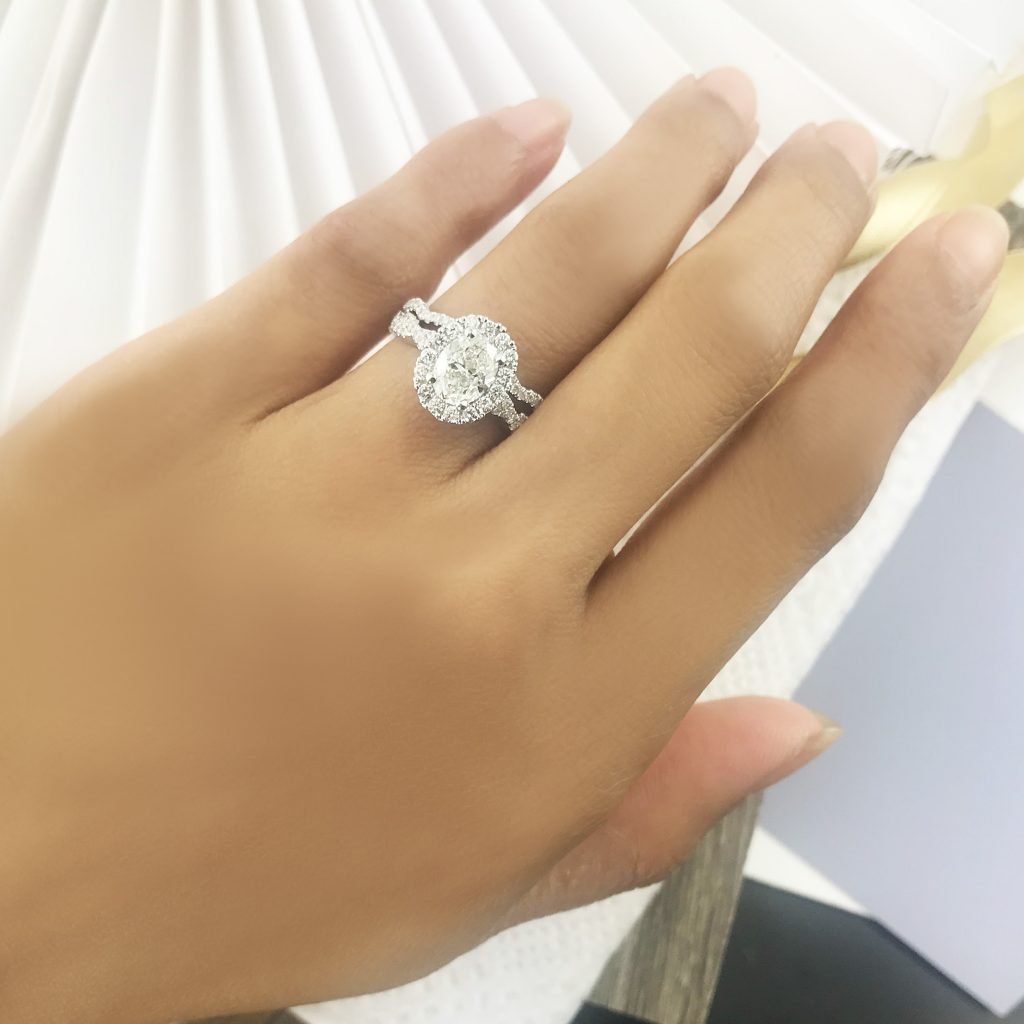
x: 667, y: 967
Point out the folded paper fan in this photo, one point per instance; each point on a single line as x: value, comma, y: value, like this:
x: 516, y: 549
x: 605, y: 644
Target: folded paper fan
x: 151, y: 153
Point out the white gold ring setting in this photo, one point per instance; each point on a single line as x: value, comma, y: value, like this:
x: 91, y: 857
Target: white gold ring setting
x: 466, y: 368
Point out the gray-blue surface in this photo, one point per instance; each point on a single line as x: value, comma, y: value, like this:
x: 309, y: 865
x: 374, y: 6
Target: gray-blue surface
x: 918, y: 812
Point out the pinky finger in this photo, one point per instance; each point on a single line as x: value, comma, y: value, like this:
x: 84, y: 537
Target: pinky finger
x: 728, y: 543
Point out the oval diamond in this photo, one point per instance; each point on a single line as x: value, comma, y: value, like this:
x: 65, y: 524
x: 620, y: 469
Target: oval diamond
x: 466, y: 366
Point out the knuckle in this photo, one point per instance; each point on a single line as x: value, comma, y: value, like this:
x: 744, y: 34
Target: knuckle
x: 471, y: 170
x: 630, y: 865
x: 497, y: 599
x: 916, y: 369
x: 569, y: 224
x: 745, y: 338
x: 722, y: 133
x: 563, y: 227
x: 861, y: 476
x: 836, y: 462
x: 460, y: 180
x: 363, y: 237
x: 354, y: 243
x: 821, y: 182
x: 491, y: 156
x: 708, y: 121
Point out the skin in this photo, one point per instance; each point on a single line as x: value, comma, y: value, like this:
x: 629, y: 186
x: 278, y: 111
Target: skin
x: 304, y: 693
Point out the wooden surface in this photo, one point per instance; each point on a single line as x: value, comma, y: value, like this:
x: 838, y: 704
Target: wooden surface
x: 667, y: 968
x: 665, y: 971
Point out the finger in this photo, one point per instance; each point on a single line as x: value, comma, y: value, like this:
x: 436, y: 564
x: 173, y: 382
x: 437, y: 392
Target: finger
x: 724, y: 547
x: 309, y: 313
x: 722, y: 752
x: 576, y: 265
x: 706, y: 342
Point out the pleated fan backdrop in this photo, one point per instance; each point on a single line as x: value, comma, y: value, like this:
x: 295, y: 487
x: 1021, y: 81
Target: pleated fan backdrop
x: 153, y: 152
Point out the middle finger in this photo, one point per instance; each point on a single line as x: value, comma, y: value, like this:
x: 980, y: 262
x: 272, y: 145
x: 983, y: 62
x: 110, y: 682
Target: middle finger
x: 575, y: 266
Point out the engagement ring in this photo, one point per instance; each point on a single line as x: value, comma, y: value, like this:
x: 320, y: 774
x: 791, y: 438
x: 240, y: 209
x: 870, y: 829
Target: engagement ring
x: 466, y: 367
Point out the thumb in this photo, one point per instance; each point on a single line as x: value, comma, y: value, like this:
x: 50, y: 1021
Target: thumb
x: 723, y: 751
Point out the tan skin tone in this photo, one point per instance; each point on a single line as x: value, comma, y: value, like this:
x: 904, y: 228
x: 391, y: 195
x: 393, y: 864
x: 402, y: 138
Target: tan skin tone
x: 305, y: 693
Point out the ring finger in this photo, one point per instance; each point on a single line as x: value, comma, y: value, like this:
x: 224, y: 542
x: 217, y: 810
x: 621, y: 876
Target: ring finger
x: 576, y: 265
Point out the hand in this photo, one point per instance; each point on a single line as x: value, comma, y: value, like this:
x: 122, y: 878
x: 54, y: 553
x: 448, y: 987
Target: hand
x: 302, y: 693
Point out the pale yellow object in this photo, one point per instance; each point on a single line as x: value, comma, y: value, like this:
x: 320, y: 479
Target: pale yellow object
x: 991, y: 166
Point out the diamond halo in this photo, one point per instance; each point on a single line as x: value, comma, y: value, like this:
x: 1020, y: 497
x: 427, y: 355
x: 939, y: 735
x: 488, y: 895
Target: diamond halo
x: 466, y: 368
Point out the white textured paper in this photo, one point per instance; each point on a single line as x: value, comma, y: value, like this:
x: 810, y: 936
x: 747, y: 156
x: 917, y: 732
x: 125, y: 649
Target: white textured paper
x: 152, y: 152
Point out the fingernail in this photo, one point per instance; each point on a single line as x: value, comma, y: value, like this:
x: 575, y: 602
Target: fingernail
x: 972, y: 246
x: 818, y: 742
x: 816, y: 734
x: 733, y: 87
x: 536, y: 124
x: 856, y: 144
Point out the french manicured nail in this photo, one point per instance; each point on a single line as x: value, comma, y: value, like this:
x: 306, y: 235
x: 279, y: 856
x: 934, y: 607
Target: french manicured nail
x: 972, y: 246
x: 536, y: 124
x: 735, y: 88
x: 856, y: 144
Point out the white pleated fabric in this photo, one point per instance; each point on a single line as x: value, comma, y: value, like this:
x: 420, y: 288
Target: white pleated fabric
x: 153, y: 152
